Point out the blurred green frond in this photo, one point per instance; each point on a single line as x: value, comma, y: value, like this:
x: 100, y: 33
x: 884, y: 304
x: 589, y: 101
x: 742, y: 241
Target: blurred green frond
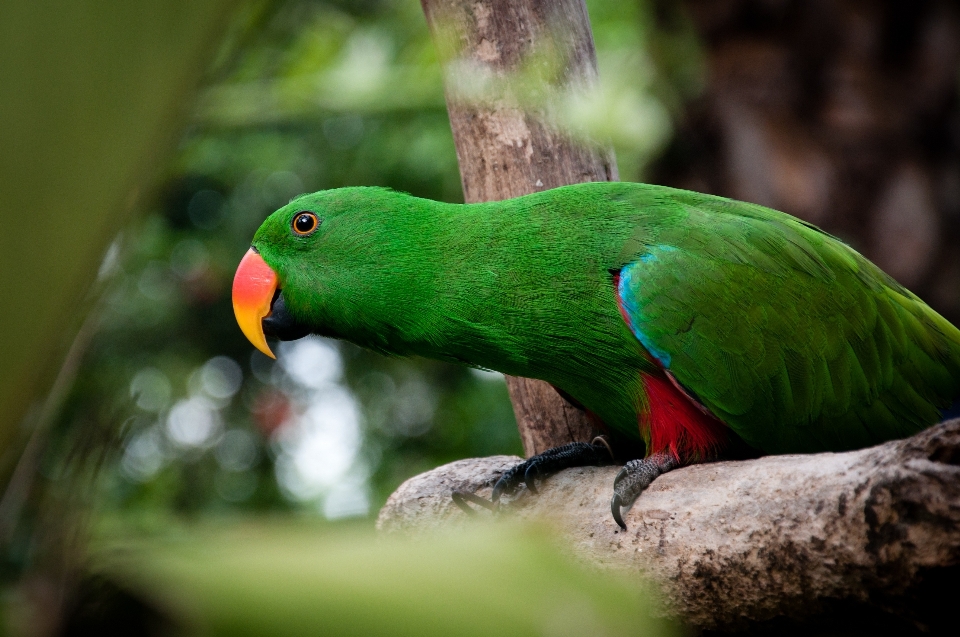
x: 483, y: 580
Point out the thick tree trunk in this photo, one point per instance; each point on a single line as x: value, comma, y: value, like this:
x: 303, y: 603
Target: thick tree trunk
x: 506, y: 143
x: 867, y: 542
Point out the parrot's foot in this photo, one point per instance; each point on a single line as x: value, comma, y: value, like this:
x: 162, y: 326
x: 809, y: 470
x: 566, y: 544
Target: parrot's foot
x: 542, y: 465
x: 551, y: 461
x: 636, y: 476
x: 461, y: 498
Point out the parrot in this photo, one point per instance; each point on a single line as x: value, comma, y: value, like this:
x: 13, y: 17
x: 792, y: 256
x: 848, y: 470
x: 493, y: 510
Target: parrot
x: 687, y: 322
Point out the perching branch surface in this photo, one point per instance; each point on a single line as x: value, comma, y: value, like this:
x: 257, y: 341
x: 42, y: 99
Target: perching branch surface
x: 733, y: 543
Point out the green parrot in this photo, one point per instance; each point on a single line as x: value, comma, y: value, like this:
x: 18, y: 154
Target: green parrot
x: 689, y: 321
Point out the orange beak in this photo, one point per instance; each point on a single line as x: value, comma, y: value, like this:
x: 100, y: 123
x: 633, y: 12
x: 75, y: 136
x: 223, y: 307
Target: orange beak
x: 253, y: 287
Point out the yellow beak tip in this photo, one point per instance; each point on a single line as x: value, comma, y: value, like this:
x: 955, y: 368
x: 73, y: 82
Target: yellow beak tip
x: 253, y: 288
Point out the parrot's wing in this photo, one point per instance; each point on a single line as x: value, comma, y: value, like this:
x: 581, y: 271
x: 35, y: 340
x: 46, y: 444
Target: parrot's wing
x: 789, y: 336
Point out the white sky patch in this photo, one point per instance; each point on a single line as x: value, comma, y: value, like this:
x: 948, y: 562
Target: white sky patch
x: 350, y: 497
x: 312, y: 362
x: 321, y: 445
x: 221, y: 377
x: 216, y: 381
x: 415, y: 404
x: 319, y: 451
x: 194, y: 422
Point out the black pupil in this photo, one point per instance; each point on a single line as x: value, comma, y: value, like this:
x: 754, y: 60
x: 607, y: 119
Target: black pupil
x: 304, y: 223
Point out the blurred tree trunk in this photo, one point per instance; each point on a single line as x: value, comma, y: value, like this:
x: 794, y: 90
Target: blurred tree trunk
x: 507, y: 147
x: 841, y: 112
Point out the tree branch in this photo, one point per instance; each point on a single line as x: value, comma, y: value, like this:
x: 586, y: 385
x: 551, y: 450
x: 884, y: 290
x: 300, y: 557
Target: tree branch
x: 734, y: 543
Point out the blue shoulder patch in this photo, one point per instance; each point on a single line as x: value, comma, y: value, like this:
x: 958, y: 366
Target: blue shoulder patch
x: 652, y: 255
x: 632, y: 309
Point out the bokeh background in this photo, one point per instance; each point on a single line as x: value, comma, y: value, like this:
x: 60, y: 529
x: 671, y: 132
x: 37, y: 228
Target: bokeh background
x: 841, y: 112
x: 315, y: 95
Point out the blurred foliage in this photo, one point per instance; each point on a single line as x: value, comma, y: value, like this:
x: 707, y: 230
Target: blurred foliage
x: 308, y: 96
x: 174, y: 419
x: 171, y: 415
x: 483, y: 580
x: 90, y: 94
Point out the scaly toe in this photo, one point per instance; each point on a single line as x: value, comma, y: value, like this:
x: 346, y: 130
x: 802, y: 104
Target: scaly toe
x: 633, y: 478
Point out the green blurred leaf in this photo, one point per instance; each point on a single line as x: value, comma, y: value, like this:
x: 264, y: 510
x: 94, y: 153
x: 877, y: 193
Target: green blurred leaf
x: 91, y: 97
x: 285, y: 579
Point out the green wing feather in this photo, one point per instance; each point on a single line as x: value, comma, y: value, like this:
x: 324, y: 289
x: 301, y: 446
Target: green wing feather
x: 789, y: 336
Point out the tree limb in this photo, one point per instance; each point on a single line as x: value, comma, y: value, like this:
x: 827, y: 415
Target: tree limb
x: 734, y: 543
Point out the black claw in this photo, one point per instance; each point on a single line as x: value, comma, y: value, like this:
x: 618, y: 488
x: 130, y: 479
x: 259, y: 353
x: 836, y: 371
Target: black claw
x: 460, y: 498
x: 635, y: 477
x: 497, y: 491
x: 615, y: 504
x: 529, y: 476
x: 508, y: 483
x: 545, y: 464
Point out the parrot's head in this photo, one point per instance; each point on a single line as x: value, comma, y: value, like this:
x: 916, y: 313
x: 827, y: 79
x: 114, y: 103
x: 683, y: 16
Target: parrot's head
x: 310, y: 261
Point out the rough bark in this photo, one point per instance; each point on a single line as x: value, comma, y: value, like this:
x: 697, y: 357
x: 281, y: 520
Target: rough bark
x: 507, y: 145
x: 842, y: 112
x: 735, y: 544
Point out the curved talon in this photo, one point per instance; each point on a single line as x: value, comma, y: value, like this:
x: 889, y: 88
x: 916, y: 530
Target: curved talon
x: 460, y: 498
x: 529, y: 477
x: 460, y: 501
x: 499, y: 488
x: 615, y: 504
x: 546, y: 463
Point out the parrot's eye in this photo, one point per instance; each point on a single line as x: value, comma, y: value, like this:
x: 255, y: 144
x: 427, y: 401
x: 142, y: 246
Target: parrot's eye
x: 304, y: 223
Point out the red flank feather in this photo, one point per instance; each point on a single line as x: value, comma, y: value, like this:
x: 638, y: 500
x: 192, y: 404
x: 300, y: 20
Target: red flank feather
x: 674, y: 421
x: 677, y: 425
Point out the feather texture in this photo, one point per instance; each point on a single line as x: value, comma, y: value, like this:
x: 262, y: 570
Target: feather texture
x: 783, y: 333
x: 787, y: 335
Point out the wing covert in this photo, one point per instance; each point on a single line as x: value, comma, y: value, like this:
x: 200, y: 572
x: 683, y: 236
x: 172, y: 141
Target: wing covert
x: 789, y: 336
